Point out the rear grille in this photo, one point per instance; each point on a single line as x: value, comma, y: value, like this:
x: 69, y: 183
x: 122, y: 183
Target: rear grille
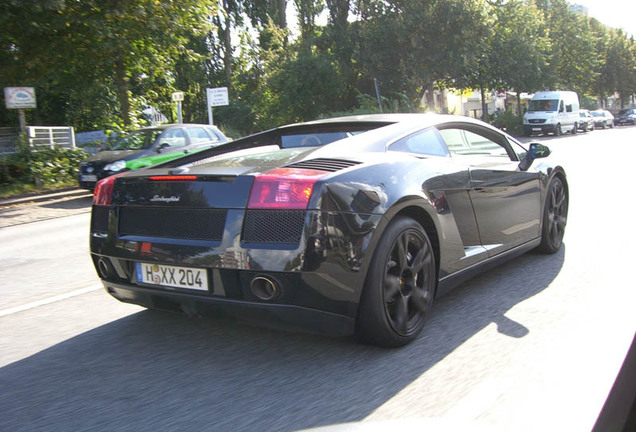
x: 193, y: 224
x: 330, y: 165
x: 273, y: 226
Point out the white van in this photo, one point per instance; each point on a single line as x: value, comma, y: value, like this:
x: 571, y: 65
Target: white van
x: 552, y: 112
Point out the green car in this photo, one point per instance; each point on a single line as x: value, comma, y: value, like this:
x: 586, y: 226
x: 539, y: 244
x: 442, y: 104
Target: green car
x: 148, y: 146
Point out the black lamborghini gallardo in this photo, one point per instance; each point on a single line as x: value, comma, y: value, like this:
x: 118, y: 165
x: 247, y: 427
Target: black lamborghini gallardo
x: 340, y: 226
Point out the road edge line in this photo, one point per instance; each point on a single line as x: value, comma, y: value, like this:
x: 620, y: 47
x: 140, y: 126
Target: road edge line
x: 49, y: 300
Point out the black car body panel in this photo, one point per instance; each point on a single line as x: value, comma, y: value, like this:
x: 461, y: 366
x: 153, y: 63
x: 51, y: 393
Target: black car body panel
x: 195, y: 212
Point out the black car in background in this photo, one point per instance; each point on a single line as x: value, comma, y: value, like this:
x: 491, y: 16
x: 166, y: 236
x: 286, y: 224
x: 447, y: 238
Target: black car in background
x: 626, y: 116
x: 339, y: 226
x: 148, y: 146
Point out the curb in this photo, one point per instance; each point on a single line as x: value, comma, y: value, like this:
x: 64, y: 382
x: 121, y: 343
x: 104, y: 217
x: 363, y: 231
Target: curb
x: 44, y: 196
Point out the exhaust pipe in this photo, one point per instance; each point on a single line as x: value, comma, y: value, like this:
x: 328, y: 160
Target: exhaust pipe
x: 264, y: 288
x: 105, y: 268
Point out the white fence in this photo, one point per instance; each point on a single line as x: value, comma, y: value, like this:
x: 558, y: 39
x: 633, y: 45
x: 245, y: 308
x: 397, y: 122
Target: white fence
x: 54, y: 136
x: 39, y: 137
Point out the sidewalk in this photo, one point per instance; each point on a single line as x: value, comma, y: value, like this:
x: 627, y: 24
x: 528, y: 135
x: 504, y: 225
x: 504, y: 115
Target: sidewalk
x: 43, y: 206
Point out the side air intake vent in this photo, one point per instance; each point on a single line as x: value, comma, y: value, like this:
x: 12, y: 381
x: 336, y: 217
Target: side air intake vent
x: 274, y: 226
x: 330, y: 165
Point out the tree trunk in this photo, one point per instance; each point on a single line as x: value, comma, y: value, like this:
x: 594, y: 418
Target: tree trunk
x: 122, y: 90
x: 484, y: 105
x: 282, y: 14
x: 430, y: 96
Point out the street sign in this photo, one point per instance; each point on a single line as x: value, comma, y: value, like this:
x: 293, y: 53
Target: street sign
x: 217, y: 96
x: 19, y: 97
x: 177, y: 97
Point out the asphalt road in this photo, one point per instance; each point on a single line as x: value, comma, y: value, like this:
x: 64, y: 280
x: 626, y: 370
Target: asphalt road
x: 533, y: 345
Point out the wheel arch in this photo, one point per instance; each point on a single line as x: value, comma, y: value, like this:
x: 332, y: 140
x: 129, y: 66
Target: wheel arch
x: 419, y: 210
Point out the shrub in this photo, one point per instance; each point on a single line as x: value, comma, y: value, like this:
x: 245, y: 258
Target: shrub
x: 44, y: 168
x: 509, y: 122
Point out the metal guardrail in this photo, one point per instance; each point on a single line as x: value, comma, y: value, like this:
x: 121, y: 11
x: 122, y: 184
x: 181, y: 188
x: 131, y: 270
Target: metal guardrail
x: 39, y: 137
x: 8, y: 138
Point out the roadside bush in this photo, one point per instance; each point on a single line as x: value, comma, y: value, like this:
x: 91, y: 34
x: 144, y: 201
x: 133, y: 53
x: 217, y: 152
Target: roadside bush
x: 44, y: 168
x: 509, y: 122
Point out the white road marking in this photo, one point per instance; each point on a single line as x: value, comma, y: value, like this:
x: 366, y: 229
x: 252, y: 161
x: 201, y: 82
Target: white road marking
x: 49, y: 300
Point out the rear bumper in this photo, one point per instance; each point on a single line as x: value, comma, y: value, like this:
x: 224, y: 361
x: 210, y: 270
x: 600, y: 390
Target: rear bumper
x: 277, y: 316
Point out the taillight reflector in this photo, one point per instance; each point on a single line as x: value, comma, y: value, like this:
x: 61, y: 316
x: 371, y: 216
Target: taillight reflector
x: 283, y: 188
x: 104, y: 191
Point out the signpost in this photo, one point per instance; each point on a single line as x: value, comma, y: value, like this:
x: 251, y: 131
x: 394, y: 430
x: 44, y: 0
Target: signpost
x: 178, y: 98
x: 216, y: 97
x: 20, y: 98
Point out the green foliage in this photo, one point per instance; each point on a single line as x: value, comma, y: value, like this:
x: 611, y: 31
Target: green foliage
x: 97, y: 63
x: 509, y: 122
x: 42, y: 168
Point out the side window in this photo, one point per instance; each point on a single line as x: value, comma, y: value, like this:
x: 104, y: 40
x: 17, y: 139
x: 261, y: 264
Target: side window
x: 174, y: 138
x: 462, y: 142
x: 568, y: 108
x: 425, y: 142
x: 198, y: 135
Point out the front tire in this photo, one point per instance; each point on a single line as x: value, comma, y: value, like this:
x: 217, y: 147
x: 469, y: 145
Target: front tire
x: 555, y: 215
x: 557, y: 130
x: 400, y: 286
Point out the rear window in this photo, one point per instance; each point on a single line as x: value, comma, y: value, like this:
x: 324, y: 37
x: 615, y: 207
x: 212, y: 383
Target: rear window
x: 313, y: 140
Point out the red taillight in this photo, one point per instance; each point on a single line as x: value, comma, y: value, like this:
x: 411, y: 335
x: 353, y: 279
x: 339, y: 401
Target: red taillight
x: 104, y: 191
x: 286, y: 188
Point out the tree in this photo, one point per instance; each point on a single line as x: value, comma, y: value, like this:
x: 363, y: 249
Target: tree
x: 520, y: 48
x: 122, y: 47
x: 572, y: 57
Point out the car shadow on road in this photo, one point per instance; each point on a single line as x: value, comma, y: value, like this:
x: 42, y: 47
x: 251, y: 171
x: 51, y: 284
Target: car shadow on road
x: 158, y: 371
x: 80, y: 202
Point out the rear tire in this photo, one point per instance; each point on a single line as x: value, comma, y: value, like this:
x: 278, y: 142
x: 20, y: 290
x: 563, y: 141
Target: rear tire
x: 555, y: 215
x: 399, y: 288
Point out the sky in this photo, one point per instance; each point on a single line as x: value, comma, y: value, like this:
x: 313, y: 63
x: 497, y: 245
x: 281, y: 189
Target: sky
x: 612, y: 13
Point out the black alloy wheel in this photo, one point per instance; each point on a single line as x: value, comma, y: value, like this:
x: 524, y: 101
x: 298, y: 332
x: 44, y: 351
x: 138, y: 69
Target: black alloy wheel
x: 400, y: 286
x: 555, y: 216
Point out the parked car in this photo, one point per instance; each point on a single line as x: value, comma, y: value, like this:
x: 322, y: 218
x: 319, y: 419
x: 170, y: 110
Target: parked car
x: 340, y: 226
x: 148, y: 146
x: 603, y: 118
x: 626, y: 116
x: 586, y: 122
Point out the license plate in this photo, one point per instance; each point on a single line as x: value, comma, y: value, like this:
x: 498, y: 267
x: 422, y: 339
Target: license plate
x: 172, y: 276
x: 536, y: 129
x: 88, y: 178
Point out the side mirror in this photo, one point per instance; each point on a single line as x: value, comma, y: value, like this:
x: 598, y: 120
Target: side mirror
x: 536, y: 151
x: 162, y: 147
